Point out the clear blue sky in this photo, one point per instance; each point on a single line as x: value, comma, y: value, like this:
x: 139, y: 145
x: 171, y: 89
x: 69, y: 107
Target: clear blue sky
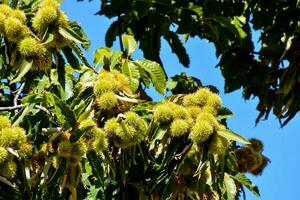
x: 281, y: 178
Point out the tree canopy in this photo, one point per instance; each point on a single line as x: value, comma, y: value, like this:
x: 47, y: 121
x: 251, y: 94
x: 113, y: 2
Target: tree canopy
x: 74, y: 130
x: 268, y: 71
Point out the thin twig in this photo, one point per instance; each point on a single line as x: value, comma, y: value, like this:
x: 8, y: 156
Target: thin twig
x: 48, y: 131
x: 44, y: 109
x: 11, y: 107
x: 18, y: 95
x: 8, y: 108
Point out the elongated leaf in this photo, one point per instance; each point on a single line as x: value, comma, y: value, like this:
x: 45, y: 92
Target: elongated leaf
x: 111, y: 34
x: 61, y: 70
x: 71, y: 35
x: 95, y: 164
x: 224, y: 113
x: 23, y: 69
x: 247, y: 183
x: 224, y: 22
x: 58, y: 173
x: 132, y: 71
x: 73, y: 61
x: 156, y: 72
x: 231, y: 189
x: 230, y: 135
x: 129, y: 44
x: 18, y: 118
x: 145, y: 78
x: 79, y: 132
x: 68, y: 114
x: 177, y: 47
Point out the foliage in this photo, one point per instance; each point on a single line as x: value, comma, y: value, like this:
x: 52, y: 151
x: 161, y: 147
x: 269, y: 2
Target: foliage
x: 69, y: 131
x: 270, y: 73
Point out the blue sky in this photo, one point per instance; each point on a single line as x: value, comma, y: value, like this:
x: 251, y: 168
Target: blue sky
x: 281, y: 178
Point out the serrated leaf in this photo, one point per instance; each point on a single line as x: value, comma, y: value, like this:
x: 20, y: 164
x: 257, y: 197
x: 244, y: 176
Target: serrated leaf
x: 224, y: 22
x: 58, y: 173
x: 177, y: 47
x: 71, y: 58
x: 68, y: 114
x: 111, y: 34
x: 24, y: 67
x: 156, y: 73
x: 247, y: 183
x: 129, y: 44
x: 145, y: 78
x: 69, y: 34
x: 230, y: 135
x: 132, y: 71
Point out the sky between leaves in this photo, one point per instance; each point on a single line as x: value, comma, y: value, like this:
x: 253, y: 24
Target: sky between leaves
x: 281, y: 178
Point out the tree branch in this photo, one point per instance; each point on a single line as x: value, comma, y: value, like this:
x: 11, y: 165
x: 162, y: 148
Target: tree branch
x: 41, y: 108
x: 11, y: 107
x: 18, y: 95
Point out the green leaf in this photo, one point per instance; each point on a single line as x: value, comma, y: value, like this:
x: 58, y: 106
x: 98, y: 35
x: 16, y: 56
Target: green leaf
x: 23, y: 69
x: 88, y: 114
x: 239, y: 22
x: 224, y: 113
x: 132, y: 71
x: 68, y: 114
x: 224, y: 22
x: 18, y: 118
x: 111, y: 33
x: 171, y: 83
x: 72, y: 60
x: 115, y: 59
x: 177, y: 47
x: 196, y: 9
x: 58, y: 173
x: 230, y: 135
x: 92, y: 194
x: 156, y: 73
x: 145, y: 78
x: 129, y: 44
x: 96, y: 165
x: 47, y: 38
x: 247, y: 183
x: 69, y: 34
x: 79, y: 132
x: 99, y: 55
x: 231, y: 189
